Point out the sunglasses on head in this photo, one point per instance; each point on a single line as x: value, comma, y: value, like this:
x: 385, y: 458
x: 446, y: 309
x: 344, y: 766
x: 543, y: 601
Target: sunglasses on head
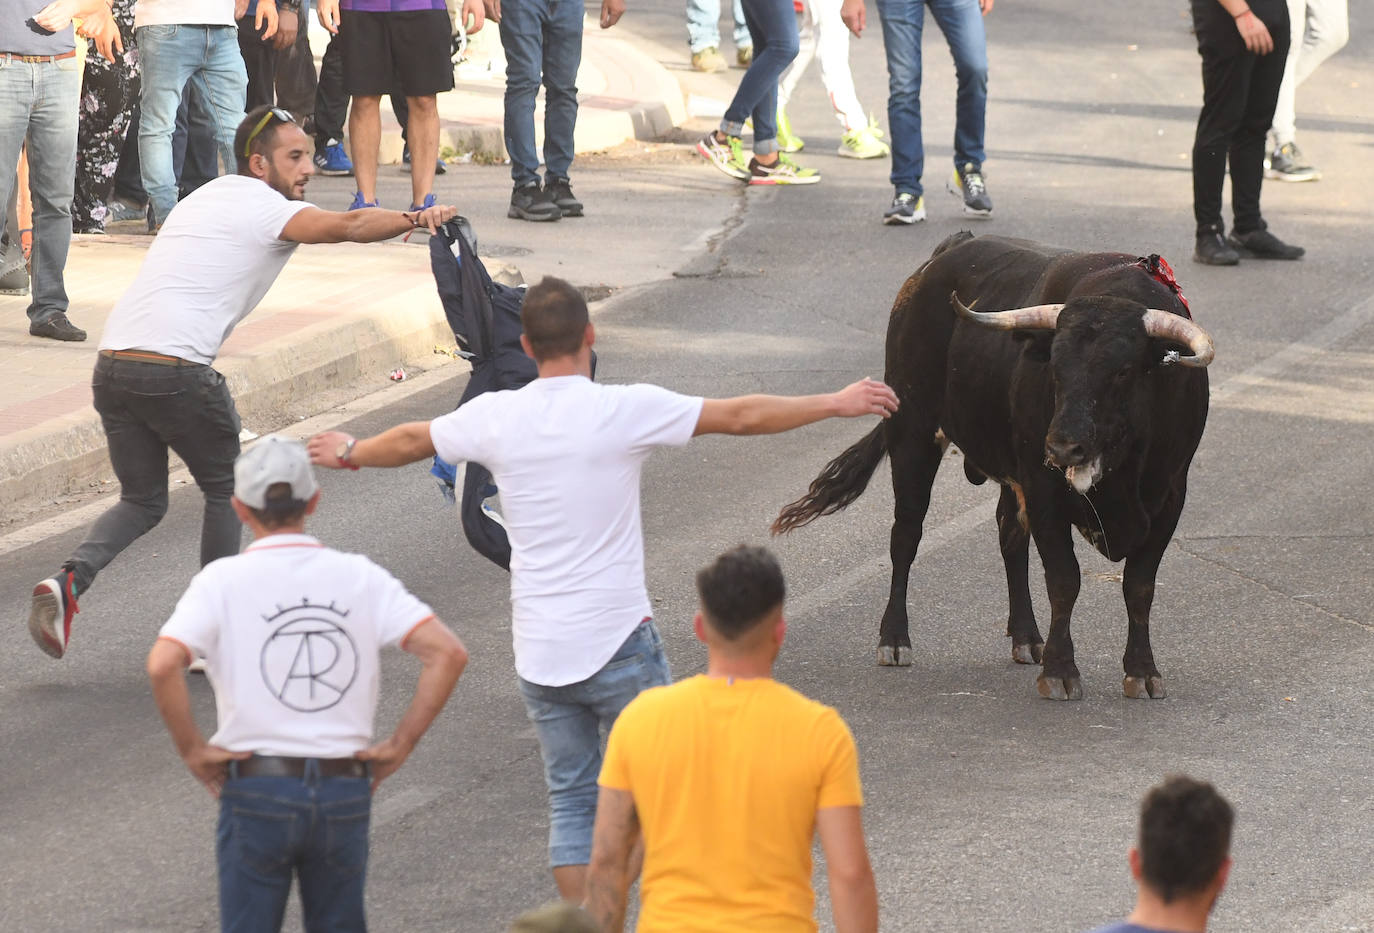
x: 282, y: 116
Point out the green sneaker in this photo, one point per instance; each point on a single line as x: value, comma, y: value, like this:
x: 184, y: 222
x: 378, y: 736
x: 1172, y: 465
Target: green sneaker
x: 787, y: 141
x: 864, y: 143
x: 782, y: 172
x: 727, y: 156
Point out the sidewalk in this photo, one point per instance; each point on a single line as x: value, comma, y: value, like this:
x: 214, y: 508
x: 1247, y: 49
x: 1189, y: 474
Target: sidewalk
x: 338, y: 318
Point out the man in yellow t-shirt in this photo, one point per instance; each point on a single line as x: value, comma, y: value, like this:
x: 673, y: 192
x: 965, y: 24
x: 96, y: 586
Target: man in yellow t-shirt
x: 728, y: 775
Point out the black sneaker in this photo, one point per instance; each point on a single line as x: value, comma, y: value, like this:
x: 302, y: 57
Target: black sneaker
x: 1287, y: 164
x: 907, y: 208
x: 58, y: 328
x: 1261, y: 244
x: 531, y: 202
x: 560, y: 190
x: 1213, y: 250
x: 968, y: 184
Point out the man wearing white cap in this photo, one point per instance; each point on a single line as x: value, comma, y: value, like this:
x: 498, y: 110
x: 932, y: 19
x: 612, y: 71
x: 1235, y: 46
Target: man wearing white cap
x: 291, y: 632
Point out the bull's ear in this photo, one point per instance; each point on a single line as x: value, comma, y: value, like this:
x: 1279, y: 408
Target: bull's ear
x: 1035, y: 344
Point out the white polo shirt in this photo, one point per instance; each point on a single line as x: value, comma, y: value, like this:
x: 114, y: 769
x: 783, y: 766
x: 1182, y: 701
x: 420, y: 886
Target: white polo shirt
x: 290, y: 631
x: 566, y: 454
x: 218, y: 253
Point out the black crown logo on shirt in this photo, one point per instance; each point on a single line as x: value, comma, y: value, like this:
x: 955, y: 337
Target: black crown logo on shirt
x: 309, y: 662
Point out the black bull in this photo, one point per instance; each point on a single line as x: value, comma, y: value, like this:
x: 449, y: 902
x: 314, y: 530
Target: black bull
x: 1086, y: 408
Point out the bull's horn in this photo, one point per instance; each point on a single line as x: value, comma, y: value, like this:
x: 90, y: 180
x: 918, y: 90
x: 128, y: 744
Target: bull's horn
x: 1180, y: 330
x: 1037, y: 317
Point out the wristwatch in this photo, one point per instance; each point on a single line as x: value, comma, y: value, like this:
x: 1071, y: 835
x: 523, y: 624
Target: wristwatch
x: 344, y: 453
x: 289, y: 6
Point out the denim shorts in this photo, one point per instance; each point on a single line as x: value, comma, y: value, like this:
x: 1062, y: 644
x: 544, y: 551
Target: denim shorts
x: 572, y: 722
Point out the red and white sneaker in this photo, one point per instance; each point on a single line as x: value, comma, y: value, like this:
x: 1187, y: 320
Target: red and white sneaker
x: 51, y: 611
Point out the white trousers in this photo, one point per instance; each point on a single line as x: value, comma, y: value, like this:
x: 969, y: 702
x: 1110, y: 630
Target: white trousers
x: 1319, y: 29
x: 824, y: 33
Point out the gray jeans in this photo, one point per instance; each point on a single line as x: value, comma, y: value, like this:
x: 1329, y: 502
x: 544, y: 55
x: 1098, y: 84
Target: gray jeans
x: 146, y: 409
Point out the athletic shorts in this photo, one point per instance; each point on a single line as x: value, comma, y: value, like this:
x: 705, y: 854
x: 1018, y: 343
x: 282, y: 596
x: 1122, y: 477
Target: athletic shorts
x: 407, y: 51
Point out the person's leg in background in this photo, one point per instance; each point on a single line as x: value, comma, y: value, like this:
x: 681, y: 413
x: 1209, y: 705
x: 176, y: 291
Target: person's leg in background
x: 195, y: 151
x: 167, y: 56
x: 773, y: 24
x: 903, y: 22
x: 259, y: 62
x: 523, y: 23
x: 1317, y: 30
x: 223, y: 82
x: 787, y: 84
x: 296, y: 80
x: 703, y: 34
x: 562, y: 56
x: 14, y: 273
x: 1226, y: 67
x: 368, y: 73
x: 331, y: 110
x: 744, y: 42
x: 109, y: 98
x: 16, y: 91
x: 1250, y: 235
x: 962, y: 23
x: 51, y: 147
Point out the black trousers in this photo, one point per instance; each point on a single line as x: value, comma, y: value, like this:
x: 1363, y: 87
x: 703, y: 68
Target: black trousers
x: 145, y: 409
x: 1239, y: 93
x: 286, y: 78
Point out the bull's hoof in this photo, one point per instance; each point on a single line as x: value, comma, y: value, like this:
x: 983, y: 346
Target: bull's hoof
x: 894, y: 655
x: 1059, y: 688
x: 1144, y: 688
x: 1027, y: 654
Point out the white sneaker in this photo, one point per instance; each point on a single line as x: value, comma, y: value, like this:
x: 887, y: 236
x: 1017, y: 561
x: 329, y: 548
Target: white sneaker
x: 50, y: 614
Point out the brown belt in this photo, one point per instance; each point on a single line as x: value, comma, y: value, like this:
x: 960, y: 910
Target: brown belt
x: 38, y: 59
x: 280, y: 766
x: 147, y: 356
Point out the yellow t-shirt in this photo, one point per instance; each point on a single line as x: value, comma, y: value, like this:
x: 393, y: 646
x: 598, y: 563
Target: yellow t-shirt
x: 727, y: 777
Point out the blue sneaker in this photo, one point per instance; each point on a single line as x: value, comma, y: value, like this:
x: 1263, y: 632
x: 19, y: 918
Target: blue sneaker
x: 358, y: 202
x: 426, y: 205
x: 332, y: 160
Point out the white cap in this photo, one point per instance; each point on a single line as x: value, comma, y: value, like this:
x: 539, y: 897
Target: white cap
x: 273, y: 459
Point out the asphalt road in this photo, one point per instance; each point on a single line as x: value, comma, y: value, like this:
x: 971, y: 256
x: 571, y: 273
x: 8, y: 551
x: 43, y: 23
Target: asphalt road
x: 988, y: 808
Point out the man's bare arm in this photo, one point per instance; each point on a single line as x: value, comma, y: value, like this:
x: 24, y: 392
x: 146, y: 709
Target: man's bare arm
x: 773, y: 414
x: 443, y: 658
x: 405, y: 443
x: 313, y: 225
x: 608, y: 875
x: 853, y: 893
x: 167, y: 670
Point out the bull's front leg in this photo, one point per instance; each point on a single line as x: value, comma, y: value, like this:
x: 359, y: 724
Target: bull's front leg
x: 1143, y: 679
x: 1059, y: 679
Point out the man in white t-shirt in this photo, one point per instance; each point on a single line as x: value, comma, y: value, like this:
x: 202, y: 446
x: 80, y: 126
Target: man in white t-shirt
x: 154, y: 385
x: 566, y: 454
x: 291, y: 631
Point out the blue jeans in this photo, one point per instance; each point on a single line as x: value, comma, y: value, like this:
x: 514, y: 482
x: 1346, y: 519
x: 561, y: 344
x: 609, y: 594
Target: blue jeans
x: 962, y: 23
x: 270, y: 828
x: 703, y: 25
x: 38, y: 102
x: 543, y: 42
x: 773, y: 24
x: 206, y: 57
x: 572, y: 722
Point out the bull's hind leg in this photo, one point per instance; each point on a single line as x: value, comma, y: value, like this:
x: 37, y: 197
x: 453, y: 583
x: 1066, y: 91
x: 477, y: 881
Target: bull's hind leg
x: 1013, y: 534
x: 915, y: 458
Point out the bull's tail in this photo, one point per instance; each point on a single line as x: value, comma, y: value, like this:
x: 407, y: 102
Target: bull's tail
x: 842, y: 481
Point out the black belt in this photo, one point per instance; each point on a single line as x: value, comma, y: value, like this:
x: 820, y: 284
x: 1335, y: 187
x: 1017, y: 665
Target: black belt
x: 281, y: 766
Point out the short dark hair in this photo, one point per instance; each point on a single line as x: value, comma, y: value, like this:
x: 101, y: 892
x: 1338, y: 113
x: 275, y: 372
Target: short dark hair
x: 553, y: 317
x: 279, y: 508
x: 740, y: 589
x: 263, y: 144
x: 1185, y: 835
